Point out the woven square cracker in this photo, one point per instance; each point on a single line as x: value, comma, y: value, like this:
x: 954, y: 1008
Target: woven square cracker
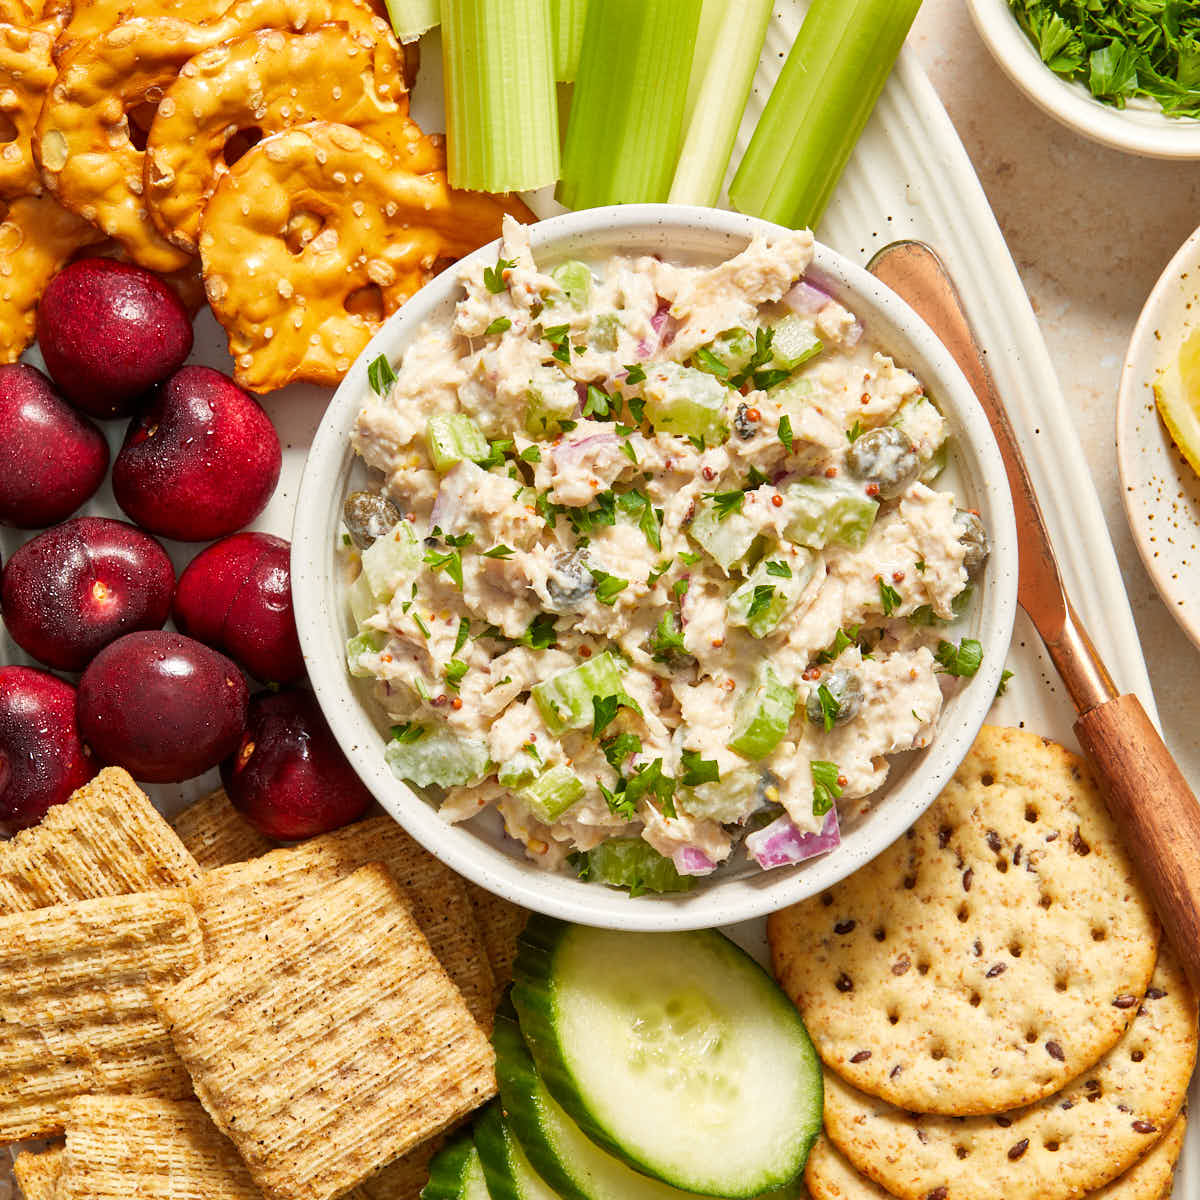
x: 500, y: 924
x: 234, y: 900
x: 75, y: 1008
x: 216, y: 833
x: 106, y: 840
x: 330, y: 1041
x: 122, y: 1146
x: 37, y: 1172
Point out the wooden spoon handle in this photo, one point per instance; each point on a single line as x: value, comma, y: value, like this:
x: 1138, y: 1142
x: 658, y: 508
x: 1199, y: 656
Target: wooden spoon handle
x: 1157, y: 814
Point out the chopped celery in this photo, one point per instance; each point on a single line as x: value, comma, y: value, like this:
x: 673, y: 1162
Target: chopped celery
x: 361, y: 600
x: 552, y: 793
x: 626, y: 121
x: 363, y: 643
x: 728, y: 800
x: 726, y: 541
x: 834, y: 73
x: 391, y: 560
x: 828, y: 510
x: 725, y: 355
x: 568, y: 18
x: 604, y: 331
x: 768, y: 595
x: 794, y: 343
x: 501, y: 102
x: 727, y: 53
x: 763, y: 715
x: 634, y: 864
x: 452, y: 438
x: 565, y: 699
x: 684, y: 400
x: 521, y: 769
x: 575, y: 279
x: 795, y: 395
x: 411, y: 18
x: 666, y: 642
x: 439, y: 757
x: 550, y: 399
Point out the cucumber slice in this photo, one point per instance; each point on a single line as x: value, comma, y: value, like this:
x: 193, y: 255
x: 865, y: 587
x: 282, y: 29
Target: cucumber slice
x: 561, y: 1153
x: 456, y: 1173
x: 676, y: 1052
x: 684, y: 400
x: 763, y: 715
x: 507, y: 1171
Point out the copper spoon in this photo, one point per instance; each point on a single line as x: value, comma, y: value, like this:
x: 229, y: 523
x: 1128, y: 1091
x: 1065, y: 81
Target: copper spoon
x: 1147, y: 794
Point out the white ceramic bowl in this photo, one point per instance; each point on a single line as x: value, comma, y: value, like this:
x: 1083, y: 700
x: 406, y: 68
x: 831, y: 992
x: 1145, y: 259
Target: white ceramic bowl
x: 1139, y: 128
x: 479, y: 849
x: 1160, y: 490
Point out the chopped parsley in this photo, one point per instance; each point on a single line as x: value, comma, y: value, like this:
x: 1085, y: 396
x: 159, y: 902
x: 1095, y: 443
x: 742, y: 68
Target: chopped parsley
x: 779, y: 569
x: 666, y: 642
x: 464, y: 632
x: 541, y: 634
x: 679, y: 588
x: 496, y: 452
x: 587, y: 520
x: 826, y: 788
x: 649, y: 518
x: 726, y: 503
x: 450, y: 561
x: 843, y: 640
x: 637, y: 407
x: 604, y: 711
x: 634, y: 373
x: 408, y: 732
x: 1002, y: 686
x: 493, y: 277
x: 697, y: 770
x: 962, y: 660
x: 420, y: 622
x: 531, y: 454
x: 650, y: 781
x: 764, y: 593
x: 499, y: 325
x: 920, y: 565
x: 608, y: 587
x: 658, y: 572
x: 617, y: 749
x: 500, y: 551
x: 785, y: 432
x: 618, y: 802
x: 854, y: 432
x: 455, y: 670
x: 380, y: 376
x: 762, y: 355
x: 888, y: 597
x: 830, y: 707
x: 598, y: 402
x: 765, y: 380
x: 559, y: 336
x: 629, y: 452
x: 708, y: 361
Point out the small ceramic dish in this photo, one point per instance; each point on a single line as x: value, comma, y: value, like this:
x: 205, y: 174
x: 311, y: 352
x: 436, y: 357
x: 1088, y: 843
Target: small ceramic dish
x: 1138, y: 128
x: 479, y: 849
x: 1160, y: 490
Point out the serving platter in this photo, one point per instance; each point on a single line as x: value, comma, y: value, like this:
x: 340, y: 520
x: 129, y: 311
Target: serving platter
x: 910, y: 177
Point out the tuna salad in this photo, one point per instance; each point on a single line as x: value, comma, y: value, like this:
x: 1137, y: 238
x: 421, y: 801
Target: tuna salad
x: 655, y: 561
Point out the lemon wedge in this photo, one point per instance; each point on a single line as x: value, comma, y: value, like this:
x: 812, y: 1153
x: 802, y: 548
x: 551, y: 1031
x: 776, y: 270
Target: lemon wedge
x: 1177, y: 394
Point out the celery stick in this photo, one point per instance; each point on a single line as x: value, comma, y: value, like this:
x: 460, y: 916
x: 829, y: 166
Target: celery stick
x: 828, y: 87
x: 411, y: 18
x: 568, y: 17
x: 501, y: 104
x: 717, y: 100
x: 627, y: 113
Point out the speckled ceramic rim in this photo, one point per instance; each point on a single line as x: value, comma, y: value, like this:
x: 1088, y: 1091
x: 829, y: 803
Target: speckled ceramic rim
x: 1133, y: 130
x: 1165, y: 307
x: 673, y: 231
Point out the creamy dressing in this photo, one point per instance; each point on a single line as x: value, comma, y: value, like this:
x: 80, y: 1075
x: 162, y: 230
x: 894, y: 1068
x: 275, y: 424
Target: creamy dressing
x: 599, y: 517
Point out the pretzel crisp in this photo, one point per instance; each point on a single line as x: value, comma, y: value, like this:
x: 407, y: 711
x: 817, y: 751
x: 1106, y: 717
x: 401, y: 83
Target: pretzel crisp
x: 37, y: 238
x: 83, y: 141
x: 26, y: 73
x: 264, y: 83
x: 46, y: 15
x: 94, y: 18
x: 302, y: 309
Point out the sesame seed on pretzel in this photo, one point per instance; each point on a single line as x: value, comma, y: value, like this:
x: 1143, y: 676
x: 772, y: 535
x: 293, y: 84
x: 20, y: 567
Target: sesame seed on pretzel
x: 37, y: 238
x: 263, y: 84
x: 26, y: 73
x: 84, y: 141
x: 319, y: 232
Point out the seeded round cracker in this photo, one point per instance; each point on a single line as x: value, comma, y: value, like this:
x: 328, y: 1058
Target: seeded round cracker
x: 1057, y: 1149
x: 830, y: 1176
x: 989, y: 956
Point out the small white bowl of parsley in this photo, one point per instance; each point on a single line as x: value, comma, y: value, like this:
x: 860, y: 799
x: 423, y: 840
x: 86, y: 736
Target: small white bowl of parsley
x: 1116, y: 73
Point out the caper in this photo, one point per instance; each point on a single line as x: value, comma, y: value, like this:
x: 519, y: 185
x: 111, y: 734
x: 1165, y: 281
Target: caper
x: 745, y: 428
x: 843, y: 698
x: 886, y: 457
x: 570, y: 582
x: 368, y: 516
x: 974, y: 539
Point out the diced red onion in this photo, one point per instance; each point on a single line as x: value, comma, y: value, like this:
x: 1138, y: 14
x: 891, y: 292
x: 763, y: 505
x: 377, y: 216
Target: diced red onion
x: 781, y: 844
x: 806, y: 299
x: 854, y: 334
x: 570, y: 453
x: 690, y: 861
